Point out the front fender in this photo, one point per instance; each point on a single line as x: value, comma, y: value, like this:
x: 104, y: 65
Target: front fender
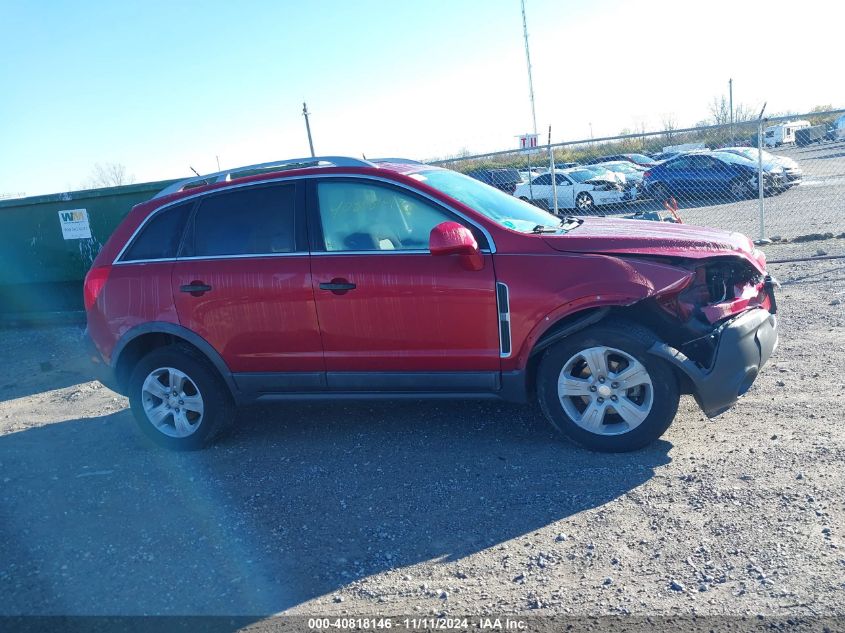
x: 607, y: 282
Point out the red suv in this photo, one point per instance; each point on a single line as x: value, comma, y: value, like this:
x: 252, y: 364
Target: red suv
x: 333, y: 278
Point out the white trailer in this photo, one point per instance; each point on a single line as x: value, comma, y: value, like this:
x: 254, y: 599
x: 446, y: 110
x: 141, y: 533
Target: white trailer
x: 783, y: 133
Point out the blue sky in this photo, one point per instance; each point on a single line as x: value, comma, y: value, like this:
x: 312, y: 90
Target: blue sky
x: 159, y: 86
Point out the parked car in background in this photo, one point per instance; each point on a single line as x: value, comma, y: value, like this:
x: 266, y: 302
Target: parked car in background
x: 637, y: 159
x: 710, y: 175
x: 504, y: 179
x: 793, y: 174
x: 661, y: 156
x: 579, y: 188
x: 838, y: 129
x: 338, y: 278
x: 527, y: 175
x: 633, y: 175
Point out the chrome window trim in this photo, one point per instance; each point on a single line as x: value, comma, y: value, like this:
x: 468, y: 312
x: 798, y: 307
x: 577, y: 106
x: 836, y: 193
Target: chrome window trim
x: 144, y: 261
x: 395, y: 251
x: 282, y: 179
x: 201, y: 257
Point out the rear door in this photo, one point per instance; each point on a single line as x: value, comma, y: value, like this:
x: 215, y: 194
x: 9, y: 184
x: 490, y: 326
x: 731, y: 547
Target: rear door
x: 392, y: 316
x: 565, y: 192
x: 679, y: 175
x: 243, y: 282
x: 541, y: 188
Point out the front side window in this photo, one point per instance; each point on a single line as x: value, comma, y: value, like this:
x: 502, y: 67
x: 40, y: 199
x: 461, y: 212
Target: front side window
x: 359, y: 216
x: 255, y: 221
x: 160, y: 236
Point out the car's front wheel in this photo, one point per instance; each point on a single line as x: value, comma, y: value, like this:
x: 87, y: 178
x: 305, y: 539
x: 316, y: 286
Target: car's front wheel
x: 584, y: 203
x: 178, y: 399
x: 740, y: 189
x: 602, y: 389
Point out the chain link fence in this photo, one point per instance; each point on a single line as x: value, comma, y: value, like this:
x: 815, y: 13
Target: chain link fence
x: 704, y: 176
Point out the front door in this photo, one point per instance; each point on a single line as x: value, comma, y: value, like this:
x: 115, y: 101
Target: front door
x: 565, y: 192
x: 392, y: 316
x: 243, y: 283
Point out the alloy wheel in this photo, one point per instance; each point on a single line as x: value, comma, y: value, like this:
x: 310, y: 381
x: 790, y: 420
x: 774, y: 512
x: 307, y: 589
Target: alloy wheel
x: 605, y: 391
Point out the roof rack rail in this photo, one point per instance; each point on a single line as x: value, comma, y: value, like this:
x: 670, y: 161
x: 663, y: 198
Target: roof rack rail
x: 227, y: 174
x: 398, y: 161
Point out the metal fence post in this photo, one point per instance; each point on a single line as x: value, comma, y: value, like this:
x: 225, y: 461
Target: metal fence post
x: 760, y: 189
x: 552, y: 171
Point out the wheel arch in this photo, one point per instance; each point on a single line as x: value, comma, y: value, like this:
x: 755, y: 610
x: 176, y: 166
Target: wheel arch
x: 142, y: 339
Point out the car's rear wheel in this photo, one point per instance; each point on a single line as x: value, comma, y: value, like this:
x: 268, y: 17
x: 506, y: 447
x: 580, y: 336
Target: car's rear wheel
x: 584, y: 203
x: 602, y: 389
x: 178, y: 399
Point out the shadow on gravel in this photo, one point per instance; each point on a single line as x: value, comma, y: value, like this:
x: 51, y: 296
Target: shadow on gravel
x: 300, y: 501
x: 46, y: 358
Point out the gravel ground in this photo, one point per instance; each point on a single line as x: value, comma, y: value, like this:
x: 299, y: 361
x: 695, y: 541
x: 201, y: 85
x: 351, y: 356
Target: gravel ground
x: 429, y: 508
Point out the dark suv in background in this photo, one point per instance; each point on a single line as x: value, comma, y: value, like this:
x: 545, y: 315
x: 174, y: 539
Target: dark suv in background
x: 503, y: 179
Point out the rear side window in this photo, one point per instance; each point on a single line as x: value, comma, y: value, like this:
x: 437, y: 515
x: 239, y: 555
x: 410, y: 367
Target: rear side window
x: 160, y: 236
x: 258, y: 221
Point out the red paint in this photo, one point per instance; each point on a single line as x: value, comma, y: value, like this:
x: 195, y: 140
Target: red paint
x: 260, y: 313
x: 451, y: 238
x: 408, y: 311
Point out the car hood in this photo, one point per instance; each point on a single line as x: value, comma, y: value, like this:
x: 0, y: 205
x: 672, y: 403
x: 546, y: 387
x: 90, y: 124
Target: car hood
x: 662, y: 239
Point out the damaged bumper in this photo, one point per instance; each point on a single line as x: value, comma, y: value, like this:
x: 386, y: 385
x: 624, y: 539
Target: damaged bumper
x: 745, y: 343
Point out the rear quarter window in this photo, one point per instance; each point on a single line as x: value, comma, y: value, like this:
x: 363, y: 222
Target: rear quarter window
x: 160, y: 236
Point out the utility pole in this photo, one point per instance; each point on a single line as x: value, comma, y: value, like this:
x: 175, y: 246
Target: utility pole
x: 552, y: 172
x: 530, y: 96
x: 528, y: 59
x: 731, y: 100
x: 308, y: 127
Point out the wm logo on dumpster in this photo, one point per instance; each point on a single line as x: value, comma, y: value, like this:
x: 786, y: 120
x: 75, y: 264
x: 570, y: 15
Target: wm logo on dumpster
x: 72, y: 216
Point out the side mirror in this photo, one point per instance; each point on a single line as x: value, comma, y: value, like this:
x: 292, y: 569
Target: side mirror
x: 451, y: 238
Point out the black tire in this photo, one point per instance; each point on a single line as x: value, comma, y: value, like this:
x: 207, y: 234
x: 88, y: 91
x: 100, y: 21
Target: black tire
x: 584, y: 203
x: 740, y: 190
x: 659, y: 192
x: 633, y: 340
x: 217, y: 404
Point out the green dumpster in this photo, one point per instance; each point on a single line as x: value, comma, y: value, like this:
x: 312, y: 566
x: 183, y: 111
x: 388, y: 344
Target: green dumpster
x: 47, y: 244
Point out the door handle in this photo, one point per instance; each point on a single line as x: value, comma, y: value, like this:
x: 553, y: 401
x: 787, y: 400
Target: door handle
x: 337, y: 285
x: 195, y: 288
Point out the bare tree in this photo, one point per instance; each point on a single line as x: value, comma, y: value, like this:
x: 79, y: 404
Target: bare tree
x: 720, y: 112
x: 109, y: 175
x: 669, y: 126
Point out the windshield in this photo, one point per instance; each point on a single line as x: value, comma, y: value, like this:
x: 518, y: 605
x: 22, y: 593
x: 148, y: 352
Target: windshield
x: 624, y: 167
x: 734, y: 159
x: 642, y: 159
x: 502, y: 208
x: 751, y: 153
x: 582, y: 175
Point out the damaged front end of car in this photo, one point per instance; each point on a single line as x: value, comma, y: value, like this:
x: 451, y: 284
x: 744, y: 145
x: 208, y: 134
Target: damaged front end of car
x: 718, y: 329
x: 605, y: 184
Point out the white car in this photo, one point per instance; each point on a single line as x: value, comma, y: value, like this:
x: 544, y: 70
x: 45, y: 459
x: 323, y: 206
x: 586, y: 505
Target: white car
x: 577, y: 188
x: 791, y: 170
